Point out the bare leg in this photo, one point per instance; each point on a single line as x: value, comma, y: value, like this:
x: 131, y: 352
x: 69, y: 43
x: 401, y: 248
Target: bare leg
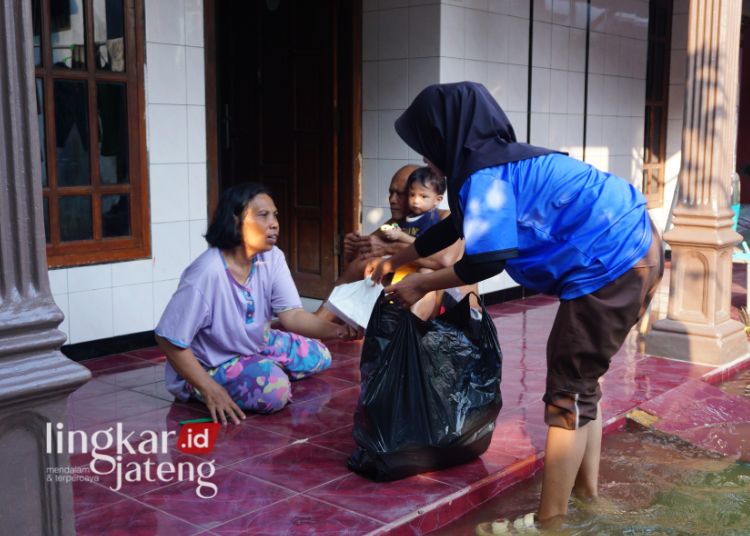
x: 586, y: 485
x: 562, y: 459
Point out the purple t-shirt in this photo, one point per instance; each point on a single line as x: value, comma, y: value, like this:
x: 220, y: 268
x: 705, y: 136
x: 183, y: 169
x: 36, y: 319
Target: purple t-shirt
x: 209, y: 311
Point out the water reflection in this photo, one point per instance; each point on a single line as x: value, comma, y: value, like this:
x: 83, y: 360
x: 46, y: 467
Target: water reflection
x: 649, y: 484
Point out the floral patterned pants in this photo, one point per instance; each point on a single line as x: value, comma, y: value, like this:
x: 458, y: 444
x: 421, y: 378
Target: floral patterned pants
x: 262, y: 383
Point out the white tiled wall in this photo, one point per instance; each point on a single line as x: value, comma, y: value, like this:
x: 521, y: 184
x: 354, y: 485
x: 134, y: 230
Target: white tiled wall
x: 115, y: 299
x: 677, y: 70
x: 617, y: 87
x: 401, y: 55
x: 558, y: 75
x: 487, y: 41
x: 481, y: 40
x: 406, y: 45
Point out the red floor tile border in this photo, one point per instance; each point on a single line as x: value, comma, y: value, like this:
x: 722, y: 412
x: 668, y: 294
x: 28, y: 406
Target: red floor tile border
x: 728, y: 371
x: 614, y: 424
x: 153, y: 353
x: 315, y: 432
x: 298, y: 514
x: 453, y: 506
x: 449, y: 508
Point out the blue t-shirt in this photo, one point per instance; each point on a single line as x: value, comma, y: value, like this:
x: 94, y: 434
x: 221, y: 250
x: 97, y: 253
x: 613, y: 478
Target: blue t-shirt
x: 416, y: 225
x: 564, y: 227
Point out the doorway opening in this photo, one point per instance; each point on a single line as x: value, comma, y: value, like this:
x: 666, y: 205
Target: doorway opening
x: 284, y: 110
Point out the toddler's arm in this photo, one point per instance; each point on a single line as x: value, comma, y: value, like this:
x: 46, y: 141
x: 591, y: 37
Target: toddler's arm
x: 394, y: 233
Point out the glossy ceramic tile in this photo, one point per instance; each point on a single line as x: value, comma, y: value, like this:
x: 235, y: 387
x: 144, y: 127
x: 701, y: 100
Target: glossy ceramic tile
x: 300, y: 516
x: 157, y: 390
x: 115, y: 481
x: 245, y: 440
x: 132, y: 518
x: 115, y: 406
x: 345, y: 400
x: 94, y: 388
x: 112, y: 361
x: 348, y: 370
x: 467, y: 474
x: 151, y: 354
x: 299, y: 467
x: 515, y: 438
x: 164, y: 418
x: 340, y: 440
x: 133, y: 378
x: 90, y: 496
x: 394, y: 499
x: 705, y: 416
x: 237, y: 494
x: 321, y: 386
x: 286, y: 473
x: 305, y: 420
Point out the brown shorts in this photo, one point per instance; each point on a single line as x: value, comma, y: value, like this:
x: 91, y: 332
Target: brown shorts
x: 587, y: 332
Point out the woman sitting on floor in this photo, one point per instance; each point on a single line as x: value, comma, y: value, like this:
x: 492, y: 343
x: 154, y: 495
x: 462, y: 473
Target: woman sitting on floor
x: 216, y: 330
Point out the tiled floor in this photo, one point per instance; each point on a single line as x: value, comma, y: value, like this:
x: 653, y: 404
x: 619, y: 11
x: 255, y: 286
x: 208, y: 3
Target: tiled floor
x: 286, y: 473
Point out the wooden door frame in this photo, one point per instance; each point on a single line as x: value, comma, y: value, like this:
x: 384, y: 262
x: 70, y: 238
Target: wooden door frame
x: 212, y: 103
x: 349, y: 161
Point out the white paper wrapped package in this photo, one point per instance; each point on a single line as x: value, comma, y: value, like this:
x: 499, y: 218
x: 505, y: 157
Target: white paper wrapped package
x: 353, y: 302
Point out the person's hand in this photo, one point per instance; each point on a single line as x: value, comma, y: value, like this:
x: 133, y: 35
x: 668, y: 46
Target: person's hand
x: 408, y: 291
x: 346, y: 332
x: 392, y: 234
x: 364, y: 245
x: 220, y: 404
x: 375, y: 248
x: 351, y: 244
x: 377, y: 269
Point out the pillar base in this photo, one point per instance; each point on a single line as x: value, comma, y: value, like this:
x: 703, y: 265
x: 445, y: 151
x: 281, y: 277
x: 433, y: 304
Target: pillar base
x: 697, y: 343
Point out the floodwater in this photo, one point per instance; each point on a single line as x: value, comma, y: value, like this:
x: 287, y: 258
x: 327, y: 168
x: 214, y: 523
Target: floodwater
x: 650, y: 484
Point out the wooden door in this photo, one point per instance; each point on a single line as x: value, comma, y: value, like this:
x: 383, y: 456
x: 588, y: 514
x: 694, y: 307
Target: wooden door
x: 277, y: 108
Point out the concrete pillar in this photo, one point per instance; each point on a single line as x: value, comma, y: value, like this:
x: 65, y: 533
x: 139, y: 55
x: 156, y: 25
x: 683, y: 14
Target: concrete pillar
x: 35, y: 378
x: 698, y: 327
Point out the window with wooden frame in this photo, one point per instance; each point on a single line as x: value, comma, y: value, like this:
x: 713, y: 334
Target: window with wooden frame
x: 88, y: 57
x: 657, y: 93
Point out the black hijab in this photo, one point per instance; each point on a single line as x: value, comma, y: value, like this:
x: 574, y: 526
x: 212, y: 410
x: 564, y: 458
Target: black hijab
x: 461, y: 129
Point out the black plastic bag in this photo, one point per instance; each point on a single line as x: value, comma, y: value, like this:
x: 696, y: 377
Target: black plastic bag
x: 430, y: 391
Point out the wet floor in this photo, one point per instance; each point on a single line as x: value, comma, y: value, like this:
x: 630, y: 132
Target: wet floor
x: 739, y: 385
x: 650, y: 484
x: 653, y: 482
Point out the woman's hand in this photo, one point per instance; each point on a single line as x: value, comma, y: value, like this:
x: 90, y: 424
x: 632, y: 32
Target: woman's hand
x: 408, y: 291
x: 220, y: 404
x: 307, y: 324
x: 377, y: 269
x: 347, y: 333
x: 216, y: 398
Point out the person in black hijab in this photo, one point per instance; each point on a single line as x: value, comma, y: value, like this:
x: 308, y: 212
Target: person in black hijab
x: 558, y: 226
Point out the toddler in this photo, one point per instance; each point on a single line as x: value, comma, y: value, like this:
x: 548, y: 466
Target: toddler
x: 425, y: 194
